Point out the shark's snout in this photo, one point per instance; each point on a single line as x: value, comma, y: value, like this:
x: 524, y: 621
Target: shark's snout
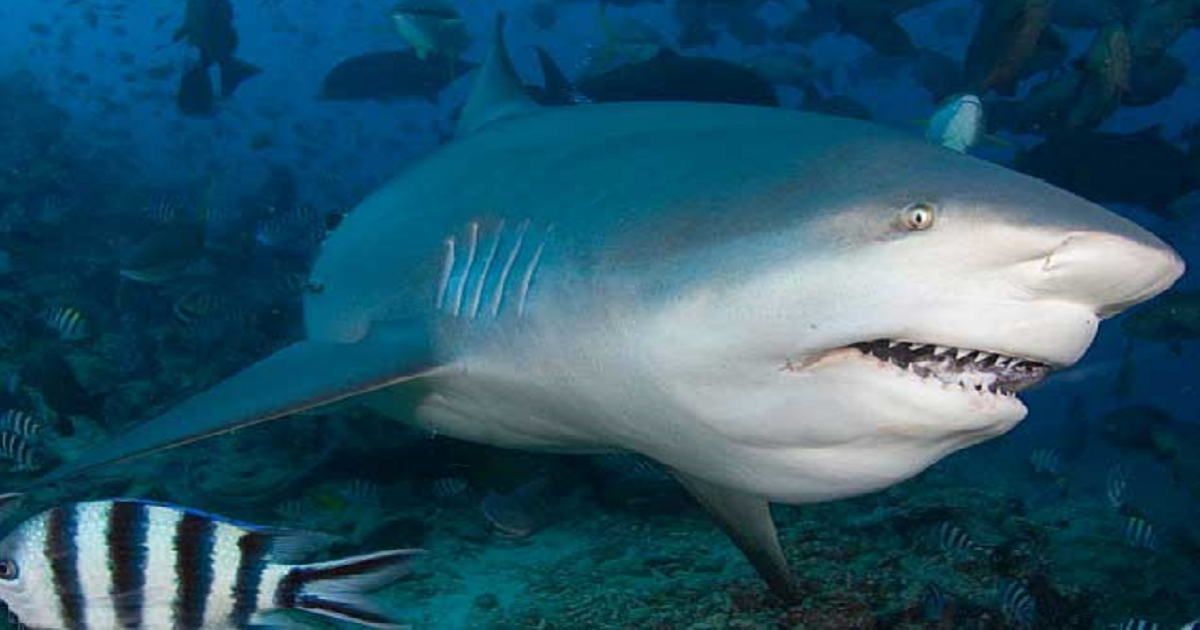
x: 1109, y: 272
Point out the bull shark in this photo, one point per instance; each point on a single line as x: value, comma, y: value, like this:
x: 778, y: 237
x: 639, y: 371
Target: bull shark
x: 777, y: 306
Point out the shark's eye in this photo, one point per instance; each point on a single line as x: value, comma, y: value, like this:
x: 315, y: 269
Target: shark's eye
x: 8, y: 569
x: 918, y: 216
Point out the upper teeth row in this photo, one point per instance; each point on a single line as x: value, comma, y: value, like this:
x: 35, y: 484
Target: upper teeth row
x: 960, y: 354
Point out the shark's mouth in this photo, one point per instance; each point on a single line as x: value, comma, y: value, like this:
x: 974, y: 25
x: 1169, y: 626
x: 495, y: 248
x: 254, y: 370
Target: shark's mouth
x: 975, y: 371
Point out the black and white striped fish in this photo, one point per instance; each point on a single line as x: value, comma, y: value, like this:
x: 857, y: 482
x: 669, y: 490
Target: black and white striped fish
x: 1139, y: 534
x: 20, y: 422
x: 951, y: 538
x: 1017, y: 605
x: 68, y: 322
x: 1045, y: 461
x: 1137, y: 624
x: 136, y: 564
x: 16, y: 450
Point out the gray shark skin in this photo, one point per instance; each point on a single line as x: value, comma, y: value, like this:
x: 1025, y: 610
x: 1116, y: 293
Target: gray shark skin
x: 686, y: 281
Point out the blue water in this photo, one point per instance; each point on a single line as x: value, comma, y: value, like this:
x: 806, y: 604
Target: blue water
x: 94, y: 148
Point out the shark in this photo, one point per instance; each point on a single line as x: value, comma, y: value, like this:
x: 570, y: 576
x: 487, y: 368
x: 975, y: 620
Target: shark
x: 777, y: 306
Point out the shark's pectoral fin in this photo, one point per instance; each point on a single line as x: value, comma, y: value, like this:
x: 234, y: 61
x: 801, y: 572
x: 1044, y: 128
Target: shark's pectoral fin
x: 301, y: 376
x: 747, y: 520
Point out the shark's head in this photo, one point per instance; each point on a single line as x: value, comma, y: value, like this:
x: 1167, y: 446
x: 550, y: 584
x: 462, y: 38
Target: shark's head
x: 853, y: 345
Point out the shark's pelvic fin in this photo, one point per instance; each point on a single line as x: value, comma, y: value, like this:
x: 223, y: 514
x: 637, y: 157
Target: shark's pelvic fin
x: 304, y: 375
x: 498, y: 93
x: 747, y: 520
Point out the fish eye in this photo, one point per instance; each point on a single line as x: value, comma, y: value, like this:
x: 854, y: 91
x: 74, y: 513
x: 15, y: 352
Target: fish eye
x: 8, y: 569
x: 918, y: 216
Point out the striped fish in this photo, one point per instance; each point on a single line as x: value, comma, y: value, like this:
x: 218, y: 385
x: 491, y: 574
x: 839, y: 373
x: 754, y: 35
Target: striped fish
x: 951, y: 538
x: 1137, y: 624
x: 20, y: 423
x: 135, y: 564
x: 1045, y: 461
x: 16, y: 449
x: 933, y: 603
x: 1139, y: 534
x: 68, y: 322
x: 1017, y: 605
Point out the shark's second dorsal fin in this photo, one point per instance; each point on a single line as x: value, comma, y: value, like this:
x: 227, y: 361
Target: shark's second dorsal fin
x: 497, y: 93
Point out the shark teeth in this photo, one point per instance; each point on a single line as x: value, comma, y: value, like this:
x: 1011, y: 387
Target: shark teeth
x: 966, y: 369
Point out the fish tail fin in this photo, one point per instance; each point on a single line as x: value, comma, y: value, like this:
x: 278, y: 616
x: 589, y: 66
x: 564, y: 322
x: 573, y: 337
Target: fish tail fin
x: 233, y: 73
x: 338, y: 588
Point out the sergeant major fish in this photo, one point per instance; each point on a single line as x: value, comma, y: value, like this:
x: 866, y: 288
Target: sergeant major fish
x: 134, y: 564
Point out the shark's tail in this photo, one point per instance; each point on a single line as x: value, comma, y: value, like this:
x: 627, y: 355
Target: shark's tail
x: 338, y: 589
x: 233, y: 73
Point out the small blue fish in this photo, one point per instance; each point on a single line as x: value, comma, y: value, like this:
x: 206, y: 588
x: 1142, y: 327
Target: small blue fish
x: 1017, y: 605
x: 958, y: 124
x: 135, y: 564
x: 1139, y: 534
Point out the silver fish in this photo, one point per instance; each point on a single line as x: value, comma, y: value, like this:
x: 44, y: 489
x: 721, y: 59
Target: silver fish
x: 134, y: 564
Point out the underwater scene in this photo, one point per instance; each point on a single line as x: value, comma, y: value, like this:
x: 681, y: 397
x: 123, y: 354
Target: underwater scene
x: 550, y: 314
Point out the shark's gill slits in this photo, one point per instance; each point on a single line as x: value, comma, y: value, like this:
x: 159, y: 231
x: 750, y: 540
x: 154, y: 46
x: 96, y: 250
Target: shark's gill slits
x: 976, y: 370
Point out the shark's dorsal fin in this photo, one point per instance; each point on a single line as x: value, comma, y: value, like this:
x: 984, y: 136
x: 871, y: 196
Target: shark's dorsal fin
x: 497, y: 93
x: 747, y: 520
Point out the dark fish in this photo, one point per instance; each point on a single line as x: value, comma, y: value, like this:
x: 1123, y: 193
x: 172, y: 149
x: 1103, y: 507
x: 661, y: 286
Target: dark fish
x: 165, y: 253
x: 135, y: 564
x: 1005, y: 39
x: 1173, y: 318
x: 208, y: 25
x: 195, y: 96
x: 939, y: 74
x: 1152, y: 79
x: 669, y: 76
x: 1073, y: 436
x: 50, y: 375
x: 1138, y: 168
x: 874, y: 22
x: 933, y: 603
x: 543, y: 14
x: 391, y: 75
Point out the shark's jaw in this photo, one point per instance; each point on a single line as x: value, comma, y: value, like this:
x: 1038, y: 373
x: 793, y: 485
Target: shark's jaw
x: 977, y: 372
